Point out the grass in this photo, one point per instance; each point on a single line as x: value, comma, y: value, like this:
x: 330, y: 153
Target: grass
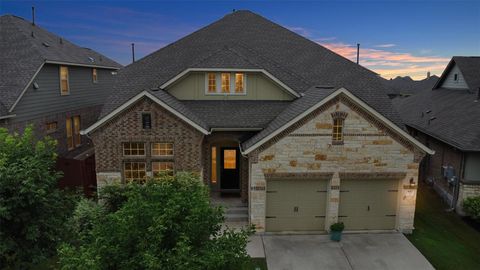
x: 256, y: 264
x: 443, y: 237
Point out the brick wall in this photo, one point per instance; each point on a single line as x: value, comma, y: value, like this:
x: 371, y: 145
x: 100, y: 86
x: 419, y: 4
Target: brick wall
x: 307, y: 148
x: 127, y: 127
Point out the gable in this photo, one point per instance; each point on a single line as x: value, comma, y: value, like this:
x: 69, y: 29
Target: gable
x: 454, y: 79
x: 192, y: 86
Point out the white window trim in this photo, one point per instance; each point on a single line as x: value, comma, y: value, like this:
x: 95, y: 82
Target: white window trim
x: 218, y: 79
x: 60, y: 81
x: 134, y: 156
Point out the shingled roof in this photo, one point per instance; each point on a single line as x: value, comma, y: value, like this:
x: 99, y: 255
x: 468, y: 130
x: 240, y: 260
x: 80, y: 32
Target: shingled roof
x: 243, y: 39
x: 450, y: 115
x: 25, y: 48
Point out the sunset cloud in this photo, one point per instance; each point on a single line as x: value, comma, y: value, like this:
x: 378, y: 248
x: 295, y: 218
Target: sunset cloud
x: 390, y: 64
x: 389, y: 45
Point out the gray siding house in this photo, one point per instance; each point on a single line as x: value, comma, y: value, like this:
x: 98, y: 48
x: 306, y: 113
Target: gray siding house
x: 446, y: 118
x: 56, y: 86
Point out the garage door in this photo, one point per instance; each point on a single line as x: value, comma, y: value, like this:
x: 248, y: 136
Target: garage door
x: 296, y: 205
x: 368, y: 204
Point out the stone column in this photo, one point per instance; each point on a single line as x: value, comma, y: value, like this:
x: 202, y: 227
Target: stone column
x: 333, y: 200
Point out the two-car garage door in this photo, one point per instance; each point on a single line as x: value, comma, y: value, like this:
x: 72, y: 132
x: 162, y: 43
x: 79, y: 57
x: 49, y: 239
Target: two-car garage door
x: 300, y: 205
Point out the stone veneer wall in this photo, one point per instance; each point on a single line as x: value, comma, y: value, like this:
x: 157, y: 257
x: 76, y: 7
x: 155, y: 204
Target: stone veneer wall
x: 127, y: 127
x: 307, y: 148
x: 466, y: 191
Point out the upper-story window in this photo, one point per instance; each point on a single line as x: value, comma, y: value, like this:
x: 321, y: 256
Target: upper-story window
x: 64, y: 85
x: 338, y: 127
x: 94, y: 75
x: 74, y: 138
x: 455, y: 77
x: 225, y: 83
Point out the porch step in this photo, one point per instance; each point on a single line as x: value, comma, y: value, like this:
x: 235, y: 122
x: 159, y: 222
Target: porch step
x: 236, y: 214
x: 237, y: 210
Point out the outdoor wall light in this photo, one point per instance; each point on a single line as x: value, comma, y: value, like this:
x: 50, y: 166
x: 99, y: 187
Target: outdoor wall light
x: 412, y: 183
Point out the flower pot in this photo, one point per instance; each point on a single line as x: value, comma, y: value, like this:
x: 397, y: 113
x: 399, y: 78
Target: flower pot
x: 336, y: 236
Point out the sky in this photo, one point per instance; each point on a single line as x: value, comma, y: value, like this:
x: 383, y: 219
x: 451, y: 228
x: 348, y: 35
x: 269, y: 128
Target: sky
x: 397, y: 38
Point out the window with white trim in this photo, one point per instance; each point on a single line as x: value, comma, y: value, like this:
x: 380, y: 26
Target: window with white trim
x: 134, y: 171
x: 64, y: 81
x: 225, y: 83
x: 134, y: 149
x: 162, y: 149
x: 162, y: 167
x: 338, y: 127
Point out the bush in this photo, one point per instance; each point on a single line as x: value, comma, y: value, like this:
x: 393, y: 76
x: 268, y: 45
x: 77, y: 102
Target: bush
x: 33, y: 211
x: 471, y: 206
x: 163, y: 224
x: 337, y: 227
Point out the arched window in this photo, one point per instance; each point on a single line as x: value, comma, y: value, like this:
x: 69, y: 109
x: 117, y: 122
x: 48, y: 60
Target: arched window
x: 338, y: 127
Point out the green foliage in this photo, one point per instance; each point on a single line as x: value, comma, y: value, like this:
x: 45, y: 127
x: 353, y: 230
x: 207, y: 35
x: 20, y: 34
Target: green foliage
x: 33, y: 211
x: 163, y: 224
x: 337, y: 227
x: 471, y: 206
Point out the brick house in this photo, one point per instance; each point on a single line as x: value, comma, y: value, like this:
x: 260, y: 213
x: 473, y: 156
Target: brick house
x: 56, y: 86
x: 446, y: 119
x: 303, y: 136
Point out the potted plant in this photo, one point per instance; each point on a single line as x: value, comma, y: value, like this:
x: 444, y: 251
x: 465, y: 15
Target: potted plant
x: 336, y: 230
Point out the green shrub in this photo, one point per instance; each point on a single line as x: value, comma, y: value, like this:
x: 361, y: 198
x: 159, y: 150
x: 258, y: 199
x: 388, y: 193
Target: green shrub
x: 471, y: 206
x: 163, y: 224
x: 33, y: 211
x: 337, y: 227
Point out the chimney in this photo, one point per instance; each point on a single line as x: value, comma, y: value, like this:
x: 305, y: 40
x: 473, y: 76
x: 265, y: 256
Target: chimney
x: 428, y: 75
x: 358, y: 53
x: 33, y: 15
x: 133, y: 52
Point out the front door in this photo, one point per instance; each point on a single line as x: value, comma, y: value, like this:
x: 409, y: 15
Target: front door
x: 229, y: 169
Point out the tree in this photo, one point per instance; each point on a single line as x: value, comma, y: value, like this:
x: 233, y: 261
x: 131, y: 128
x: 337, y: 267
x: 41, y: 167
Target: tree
x: 33, y: 210
x: 167, y: 223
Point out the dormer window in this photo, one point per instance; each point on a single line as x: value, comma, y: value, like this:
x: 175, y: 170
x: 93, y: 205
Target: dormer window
x: 225, y: 83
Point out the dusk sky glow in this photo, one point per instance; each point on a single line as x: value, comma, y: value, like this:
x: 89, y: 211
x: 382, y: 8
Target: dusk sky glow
x: 397, y: 37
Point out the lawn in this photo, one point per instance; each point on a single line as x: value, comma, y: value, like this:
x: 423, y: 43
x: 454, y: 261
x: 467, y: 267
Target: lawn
x: 443, y: 237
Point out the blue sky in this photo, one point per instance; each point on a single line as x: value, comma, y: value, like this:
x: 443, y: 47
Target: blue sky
x: 397, y: 37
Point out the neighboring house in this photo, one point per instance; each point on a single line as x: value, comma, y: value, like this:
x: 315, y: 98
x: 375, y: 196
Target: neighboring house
x: 406, y: 86
x: 57, y: 87
x: 305, y: 136
x: 447, y: 120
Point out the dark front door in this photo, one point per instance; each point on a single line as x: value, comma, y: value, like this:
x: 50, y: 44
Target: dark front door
x: 229, y: 169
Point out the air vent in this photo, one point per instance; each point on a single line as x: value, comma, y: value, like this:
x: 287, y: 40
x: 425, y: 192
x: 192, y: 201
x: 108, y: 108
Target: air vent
x: 45, y: 44
x: 91, y: 59
x: 324, y: 86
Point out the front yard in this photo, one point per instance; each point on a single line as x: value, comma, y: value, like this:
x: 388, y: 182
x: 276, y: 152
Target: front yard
x: 443, y: 237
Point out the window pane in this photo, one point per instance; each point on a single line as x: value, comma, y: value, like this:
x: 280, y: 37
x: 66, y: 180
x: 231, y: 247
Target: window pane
x: 337, y: 132
x: 76, y: 130
x: 162, y: 149
x: 212, y: 83
x: 133, y: 149
x: 69, y: 133
x: 64, y: 80
x: 225, y: 82
x: 146, y: 121
x: 239, y: 83
x: 214, y: 165
x: 161, y: 167
x: 134, y: 171
x: 94, y: 75
x: 230, y: 159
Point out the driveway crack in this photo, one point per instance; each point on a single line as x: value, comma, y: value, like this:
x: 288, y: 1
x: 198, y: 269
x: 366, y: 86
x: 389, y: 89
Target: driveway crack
x: 346, y: 256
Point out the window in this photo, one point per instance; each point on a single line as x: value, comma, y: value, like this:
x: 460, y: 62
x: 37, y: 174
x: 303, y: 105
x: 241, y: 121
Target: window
x: 94, y: 75
x: 337, y: 129
x: 64, y: 87
x: 455, y: 77
x: 146, y: 121
x: 239, y: 83
x: 214, y: 165
x: 70, y: 142
x: 338, y: 123
x: 51, y: 127
x: 162, y: 149
x: 161, y: 167
x: 134, y: 171
x: 212, y: 83
x: 133, y: 149
x: 230, y: 159
x: 76, y: 131
x: 225, y: 82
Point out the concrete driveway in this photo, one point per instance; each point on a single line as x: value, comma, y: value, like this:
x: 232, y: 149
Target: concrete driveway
x: 355, y: 251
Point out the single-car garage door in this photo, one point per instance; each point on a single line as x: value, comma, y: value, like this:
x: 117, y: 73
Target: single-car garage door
x: 368, y: 204
x: 296, y: 205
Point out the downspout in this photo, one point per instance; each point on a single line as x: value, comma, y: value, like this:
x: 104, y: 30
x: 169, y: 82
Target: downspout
x: 456, y: 191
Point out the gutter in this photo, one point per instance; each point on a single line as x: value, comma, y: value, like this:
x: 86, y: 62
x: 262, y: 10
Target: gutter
x: 7, y: 116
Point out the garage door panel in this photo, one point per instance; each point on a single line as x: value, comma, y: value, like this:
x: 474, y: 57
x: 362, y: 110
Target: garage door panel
x: 296, y: 205
x: 368, y: 204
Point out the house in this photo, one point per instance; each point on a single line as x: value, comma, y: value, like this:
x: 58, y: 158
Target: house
x: 304, y: 136
x: 56, y: 86
x: 405, y: 86
x: 446, y: 119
